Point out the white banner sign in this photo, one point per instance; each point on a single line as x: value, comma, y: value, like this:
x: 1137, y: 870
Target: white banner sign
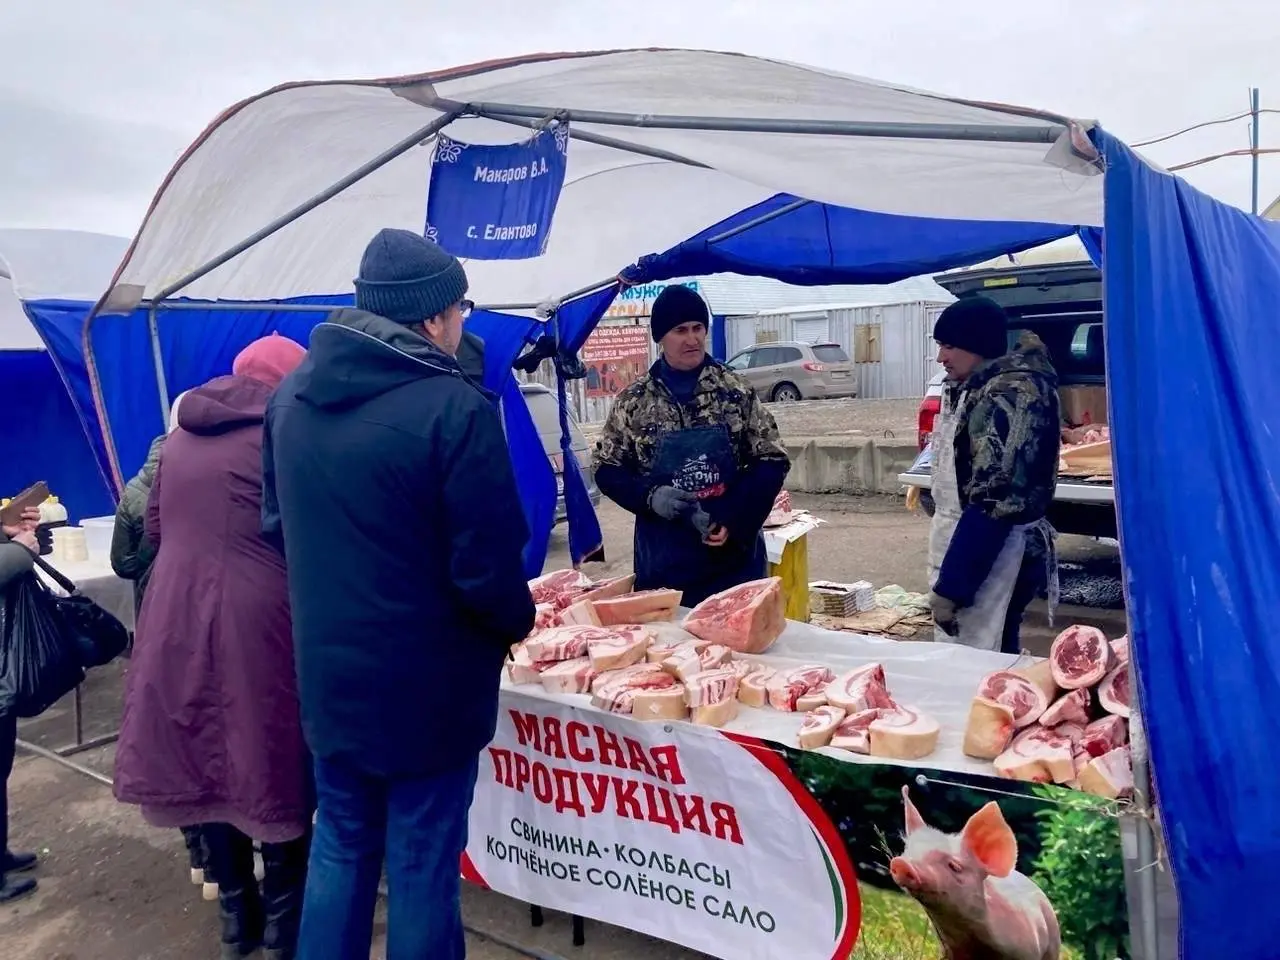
x: 680, y: 832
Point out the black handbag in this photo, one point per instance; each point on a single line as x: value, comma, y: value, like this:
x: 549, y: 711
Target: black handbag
x: 39, y: 661
x: 98, y: 636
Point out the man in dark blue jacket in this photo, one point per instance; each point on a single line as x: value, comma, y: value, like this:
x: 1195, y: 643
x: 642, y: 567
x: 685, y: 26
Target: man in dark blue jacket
x: 389, y: 486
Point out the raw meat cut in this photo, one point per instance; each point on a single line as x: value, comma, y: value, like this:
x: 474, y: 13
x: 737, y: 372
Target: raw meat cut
x: 660, y: 703
x: 636, y: 669
x: 1072, y: 731
x: 557, y: 586
x: 619, y: 647
x: 1080, y: 657
x: 544, y: 616
x: 1024, y: 698
x: 687, y: 661
x: 854, y: 731
x: 1041, y: 674
x: 616, y: 693
x: 904, y: 733
x: 753, y: 687
x: 521, y: 668
x: 568, y: 676
x: 668, y: 638
x: 562, y: 643
x: 1103, y: 736
x: 712, y: 697
x: 811, y: 701
x: 580, y: 613
x: 1120, y: 649
x: 642, y: 607
x: 860, y: 689
x: 787, y: 686
x: 1072, y: 707
x: 605, y: 589
x: 747, y: 618
x: 1113, y: 691
x: 989, y: 730
x: 1110, y: 775
x: 1038, y: 755
x: 711, y: 686
x: 819, y: 726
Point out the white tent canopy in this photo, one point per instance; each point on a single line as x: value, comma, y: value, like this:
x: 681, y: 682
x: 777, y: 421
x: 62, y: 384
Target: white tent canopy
x: 266, y: 156
x: 50, y: 265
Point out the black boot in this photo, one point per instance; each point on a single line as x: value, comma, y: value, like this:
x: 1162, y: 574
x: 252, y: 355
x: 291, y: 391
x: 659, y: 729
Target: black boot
x: 285, y: 877
x: 14, y: 888
x: 195, y: 854
x: 239, y: 903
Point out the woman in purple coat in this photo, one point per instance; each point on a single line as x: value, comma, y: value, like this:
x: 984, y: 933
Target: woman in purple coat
x: 211, y: 732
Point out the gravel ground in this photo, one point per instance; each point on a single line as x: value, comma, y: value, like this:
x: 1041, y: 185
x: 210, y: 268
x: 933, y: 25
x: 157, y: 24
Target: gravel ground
x: 113, y: 888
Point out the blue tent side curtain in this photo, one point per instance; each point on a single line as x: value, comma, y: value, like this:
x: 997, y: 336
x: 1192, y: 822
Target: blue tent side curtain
x: 1192, y: 293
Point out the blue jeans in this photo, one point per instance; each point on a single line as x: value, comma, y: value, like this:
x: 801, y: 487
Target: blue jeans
x: 420, y: 827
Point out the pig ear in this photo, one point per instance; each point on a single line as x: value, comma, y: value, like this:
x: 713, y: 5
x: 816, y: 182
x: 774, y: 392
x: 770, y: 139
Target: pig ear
x: 914, y: 820
x: 990, y: 840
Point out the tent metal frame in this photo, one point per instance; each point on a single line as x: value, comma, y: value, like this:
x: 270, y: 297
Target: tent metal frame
x: 529, y: 115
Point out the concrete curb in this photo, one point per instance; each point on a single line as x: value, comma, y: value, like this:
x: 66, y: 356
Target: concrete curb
x: 850, y: 465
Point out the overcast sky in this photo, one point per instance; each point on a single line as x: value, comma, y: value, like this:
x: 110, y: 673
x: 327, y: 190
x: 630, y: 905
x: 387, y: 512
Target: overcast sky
x: 98, y: 99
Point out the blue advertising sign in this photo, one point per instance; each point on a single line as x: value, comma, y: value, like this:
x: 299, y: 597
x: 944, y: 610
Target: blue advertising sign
x: 496, y: 202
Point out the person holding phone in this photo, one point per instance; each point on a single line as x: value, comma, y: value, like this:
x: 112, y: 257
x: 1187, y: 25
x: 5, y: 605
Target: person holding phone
x: 18, y: 549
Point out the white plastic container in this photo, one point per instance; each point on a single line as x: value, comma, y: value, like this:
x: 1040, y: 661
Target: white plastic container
x: 70, y: 544
x: 97, y: 536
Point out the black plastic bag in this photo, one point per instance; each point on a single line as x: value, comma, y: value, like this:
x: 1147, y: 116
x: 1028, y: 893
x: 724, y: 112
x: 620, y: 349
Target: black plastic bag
x: 39, y: 660
x: 98, y: 635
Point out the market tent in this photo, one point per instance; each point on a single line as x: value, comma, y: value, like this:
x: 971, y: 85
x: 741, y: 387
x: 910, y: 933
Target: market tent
x: 722, y: 162
x: 59, y: 273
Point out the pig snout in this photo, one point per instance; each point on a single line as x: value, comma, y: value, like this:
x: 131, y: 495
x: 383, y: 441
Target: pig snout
x: 904, y: 874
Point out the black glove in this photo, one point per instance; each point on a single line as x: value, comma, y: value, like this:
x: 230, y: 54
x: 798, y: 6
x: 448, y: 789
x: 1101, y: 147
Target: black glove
x: 944, y: 614
x: 702, y: 522
x: 672, y: 503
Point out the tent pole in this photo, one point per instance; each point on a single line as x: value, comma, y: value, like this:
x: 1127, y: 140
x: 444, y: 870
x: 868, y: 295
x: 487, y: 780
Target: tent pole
x: 612, y: 142
x: 381, y: 160
x: 157, y: 357
x: 993, y: 133
x: 560, y: 301
x: 236, y: 306
x: 781, y: 211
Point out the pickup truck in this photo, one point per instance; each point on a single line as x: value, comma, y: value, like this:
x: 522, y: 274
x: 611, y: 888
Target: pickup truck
x: 1062, y: 304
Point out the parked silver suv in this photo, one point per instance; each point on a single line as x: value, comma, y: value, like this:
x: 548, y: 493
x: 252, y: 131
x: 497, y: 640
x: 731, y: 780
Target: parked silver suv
x: 546, y: 418
x: 783, y: 372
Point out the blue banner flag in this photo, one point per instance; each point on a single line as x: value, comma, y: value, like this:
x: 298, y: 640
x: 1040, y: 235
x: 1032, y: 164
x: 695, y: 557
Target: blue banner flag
x: 496, y: 202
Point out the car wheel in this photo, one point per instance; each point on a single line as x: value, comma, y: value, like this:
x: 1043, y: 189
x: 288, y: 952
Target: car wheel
x: 786, y: 393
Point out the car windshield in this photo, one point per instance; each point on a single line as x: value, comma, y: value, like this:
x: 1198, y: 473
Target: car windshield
x: 830, y: 353
x: 546, y: 417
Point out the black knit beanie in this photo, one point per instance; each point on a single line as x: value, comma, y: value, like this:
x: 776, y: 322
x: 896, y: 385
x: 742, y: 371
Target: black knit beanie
x: 407, y: 278
x: 675, y: 305
x: 976, y: 324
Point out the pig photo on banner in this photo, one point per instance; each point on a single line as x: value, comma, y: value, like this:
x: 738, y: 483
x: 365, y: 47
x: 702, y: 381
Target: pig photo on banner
x: 974, y: 867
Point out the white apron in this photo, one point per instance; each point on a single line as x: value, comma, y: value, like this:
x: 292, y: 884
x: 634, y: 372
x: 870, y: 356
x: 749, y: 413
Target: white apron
x: 982, y: 624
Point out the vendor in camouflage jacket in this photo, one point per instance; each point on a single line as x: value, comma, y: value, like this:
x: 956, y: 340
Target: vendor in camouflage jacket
x: 999, y: 471
x: 690, y: 450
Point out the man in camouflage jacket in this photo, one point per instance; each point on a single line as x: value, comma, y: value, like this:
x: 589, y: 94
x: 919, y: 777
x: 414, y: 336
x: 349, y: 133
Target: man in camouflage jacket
x: 690, y: 450
x: 1005, y: 449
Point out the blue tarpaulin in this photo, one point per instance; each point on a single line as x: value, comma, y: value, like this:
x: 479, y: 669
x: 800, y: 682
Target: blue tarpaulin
x: 1192, y: 290
x: 1191, y: 286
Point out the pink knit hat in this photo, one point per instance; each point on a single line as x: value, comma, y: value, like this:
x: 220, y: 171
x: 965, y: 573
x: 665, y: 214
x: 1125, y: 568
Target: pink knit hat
x: 269, y: 359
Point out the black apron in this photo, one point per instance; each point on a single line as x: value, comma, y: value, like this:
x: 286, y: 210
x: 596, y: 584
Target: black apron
x: 670, y: 553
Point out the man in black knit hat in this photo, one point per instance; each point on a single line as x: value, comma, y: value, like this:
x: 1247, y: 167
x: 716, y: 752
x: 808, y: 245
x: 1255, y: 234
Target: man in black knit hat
x: 691, y: 451
x: 995, y: 467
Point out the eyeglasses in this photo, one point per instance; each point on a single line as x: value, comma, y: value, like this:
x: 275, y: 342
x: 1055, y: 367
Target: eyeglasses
x: 466, y: 306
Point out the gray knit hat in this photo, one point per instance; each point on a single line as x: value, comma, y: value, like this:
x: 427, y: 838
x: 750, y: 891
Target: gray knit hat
x: 407, y: 278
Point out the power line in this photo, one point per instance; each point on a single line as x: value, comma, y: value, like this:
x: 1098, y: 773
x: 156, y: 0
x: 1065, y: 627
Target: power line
x: 1199, y: 126
x: 1245, y: 152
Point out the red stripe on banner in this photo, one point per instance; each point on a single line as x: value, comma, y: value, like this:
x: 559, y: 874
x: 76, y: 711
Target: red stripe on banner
x: 470, y: 873
x: 771, y: 759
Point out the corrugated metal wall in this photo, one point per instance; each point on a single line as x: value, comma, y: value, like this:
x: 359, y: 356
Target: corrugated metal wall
x: 891, y: 344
